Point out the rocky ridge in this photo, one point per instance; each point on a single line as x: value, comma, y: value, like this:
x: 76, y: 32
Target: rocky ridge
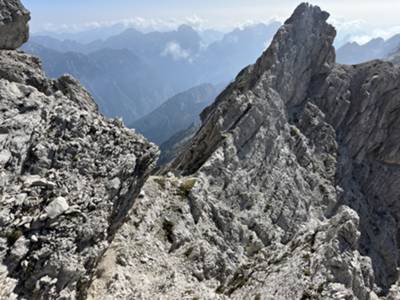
x: 289, y: 188
x: 68, y: 176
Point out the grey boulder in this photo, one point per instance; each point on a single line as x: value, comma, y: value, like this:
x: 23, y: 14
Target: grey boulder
x: 14, y: 29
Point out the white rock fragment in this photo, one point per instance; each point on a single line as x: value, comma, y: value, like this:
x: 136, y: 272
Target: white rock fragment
x: 5, y: 156
x: 114, y: 184
x: 20, y: 247
x: 57, y: 207
x: 36, y: 180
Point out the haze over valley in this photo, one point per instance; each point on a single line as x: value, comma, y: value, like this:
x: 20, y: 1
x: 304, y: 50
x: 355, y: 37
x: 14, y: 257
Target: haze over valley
x: 132, y: 69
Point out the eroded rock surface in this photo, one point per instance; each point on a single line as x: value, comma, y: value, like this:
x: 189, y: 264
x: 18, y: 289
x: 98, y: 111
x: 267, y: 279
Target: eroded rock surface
x: 68, y: 176
x: 14, y: 29
x: 290, y: 187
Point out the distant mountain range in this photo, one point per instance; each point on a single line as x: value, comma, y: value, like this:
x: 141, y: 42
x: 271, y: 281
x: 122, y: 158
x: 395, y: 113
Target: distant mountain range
x: 176, y: 143
x: 84, y: 35
x: 222, y: 60
x: 122, y: 84
x: 132, y: 73
x: 176, y: 114
x: 354, y: 53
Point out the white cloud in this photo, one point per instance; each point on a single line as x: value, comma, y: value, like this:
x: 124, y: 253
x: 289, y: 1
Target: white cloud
x: 360, y: 31
x: 386, y: 33
x: 175, y: 51
x: 148, y: 24
x: 196, y: 22
x: 139, y: 23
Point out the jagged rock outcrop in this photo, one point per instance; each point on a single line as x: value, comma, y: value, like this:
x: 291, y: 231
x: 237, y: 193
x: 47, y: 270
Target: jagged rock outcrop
x: 290, y: 186
x: 68, y: 177
x: 14, y: 29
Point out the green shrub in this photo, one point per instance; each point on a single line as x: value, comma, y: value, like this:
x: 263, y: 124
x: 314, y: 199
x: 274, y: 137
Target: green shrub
x: 13, y: 236
x: 161, y: 181
x: 186, y: 187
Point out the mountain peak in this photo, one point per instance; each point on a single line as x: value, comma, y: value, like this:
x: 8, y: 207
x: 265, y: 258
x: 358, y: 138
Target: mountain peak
x: 310, y: 140
x: 305, y: 41
x: 301, y: 49
x: 308, y: 11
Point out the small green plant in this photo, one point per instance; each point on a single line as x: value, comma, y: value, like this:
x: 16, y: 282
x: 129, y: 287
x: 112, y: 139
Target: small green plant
x: 13, y: 236
x: 294, y: 131
x: 220, y: 289
x: 161, y: 181
x: 307, y: 257
x: 267, y: 207
x: 188, y: 252
x: 186, y: 187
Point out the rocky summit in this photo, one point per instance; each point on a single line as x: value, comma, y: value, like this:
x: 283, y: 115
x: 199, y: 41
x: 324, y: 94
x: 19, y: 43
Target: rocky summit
x: 288, y: 190
x: 68, y: 176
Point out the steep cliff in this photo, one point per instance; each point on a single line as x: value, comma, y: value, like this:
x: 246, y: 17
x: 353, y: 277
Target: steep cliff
x: 68, y: 176
x: 289, y: 190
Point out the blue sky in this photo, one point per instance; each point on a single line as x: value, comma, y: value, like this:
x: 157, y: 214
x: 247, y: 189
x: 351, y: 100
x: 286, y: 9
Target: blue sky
x: 212, y: 13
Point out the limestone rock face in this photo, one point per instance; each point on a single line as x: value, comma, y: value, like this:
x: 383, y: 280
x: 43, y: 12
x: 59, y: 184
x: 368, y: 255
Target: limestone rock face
x: 289, y: 190
x: 68, y: 176
x: 14, y: 29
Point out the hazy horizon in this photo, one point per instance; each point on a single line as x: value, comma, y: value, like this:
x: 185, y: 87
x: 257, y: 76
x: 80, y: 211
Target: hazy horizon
x: 358, y: 19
